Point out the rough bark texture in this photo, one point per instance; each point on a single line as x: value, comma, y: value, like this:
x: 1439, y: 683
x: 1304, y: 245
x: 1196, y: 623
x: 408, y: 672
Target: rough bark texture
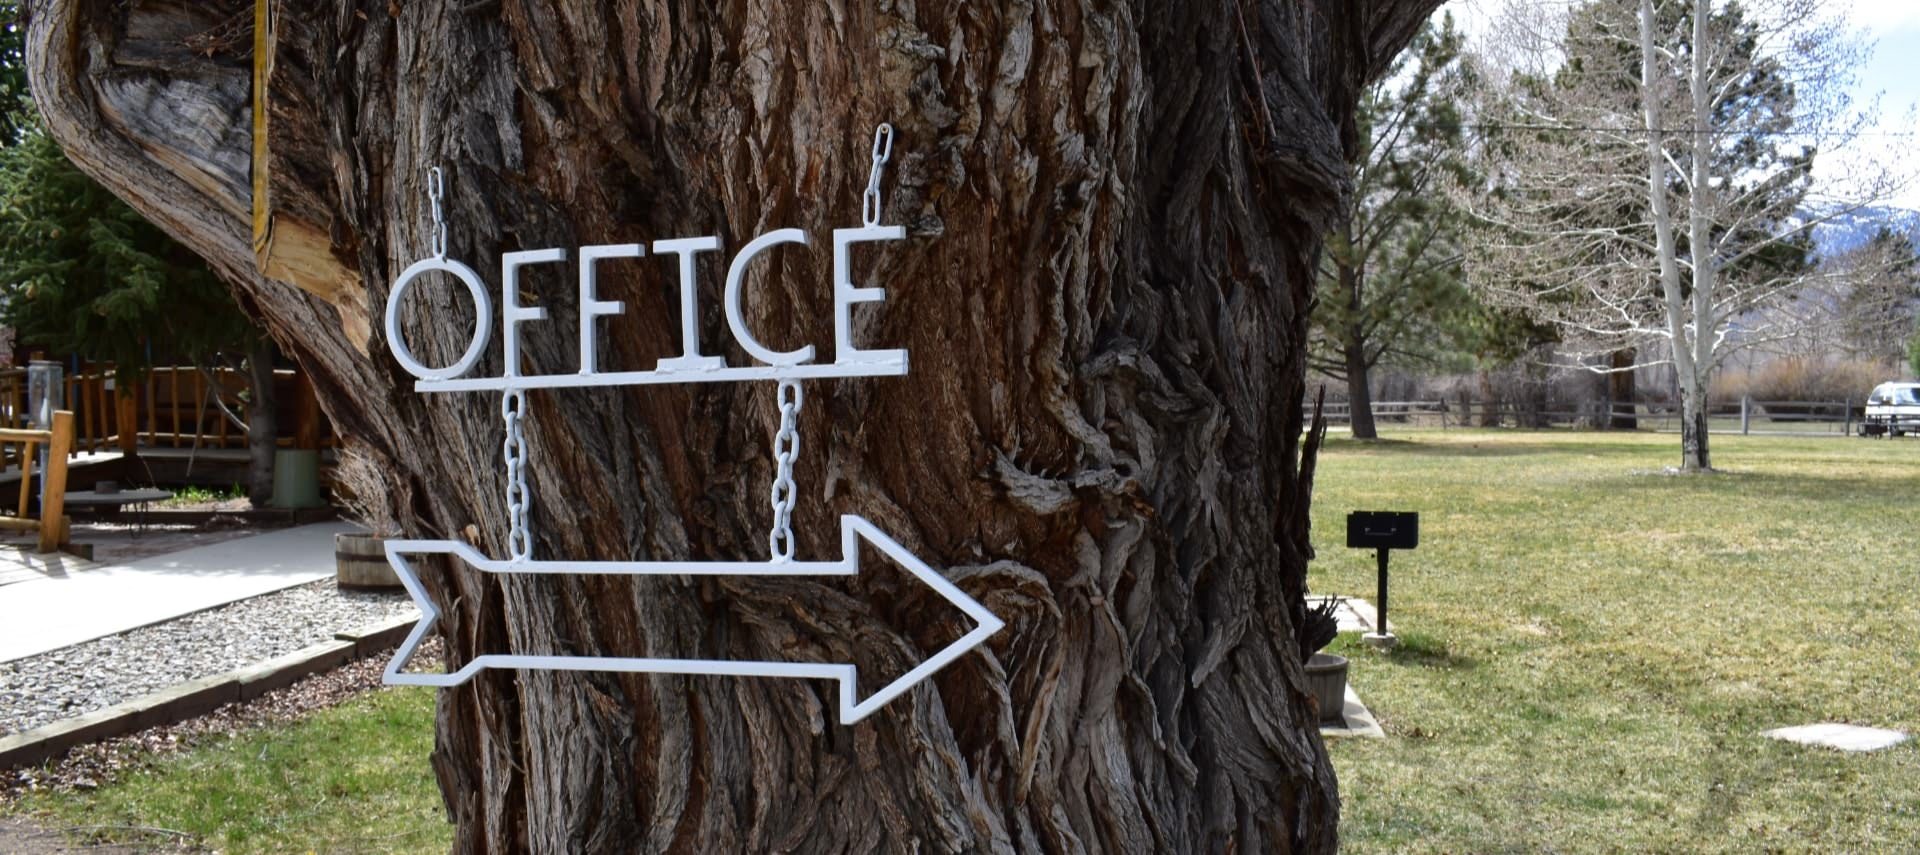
x: 263, y: 428
x: 1621, y: 391
x: 1359, y: 390
x: 1353, y: 345
x: 1114, y: 213
x: 1695, y: 455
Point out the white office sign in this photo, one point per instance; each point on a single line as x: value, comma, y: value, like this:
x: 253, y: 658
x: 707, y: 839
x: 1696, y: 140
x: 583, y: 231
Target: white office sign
x: 693, y: 365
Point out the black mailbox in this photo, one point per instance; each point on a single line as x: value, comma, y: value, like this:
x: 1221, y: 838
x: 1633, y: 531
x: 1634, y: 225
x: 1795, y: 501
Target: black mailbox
x: 1383, y: 530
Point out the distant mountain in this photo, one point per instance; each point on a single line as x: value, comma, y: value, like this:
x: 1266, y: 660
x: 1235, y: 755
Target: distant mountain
x: 1849, y: 231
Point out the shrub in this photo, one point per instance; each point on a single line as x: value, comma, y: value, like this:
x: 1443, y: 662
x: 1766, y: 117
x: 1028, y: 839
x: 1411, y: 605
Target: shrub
x: 1804, y: 380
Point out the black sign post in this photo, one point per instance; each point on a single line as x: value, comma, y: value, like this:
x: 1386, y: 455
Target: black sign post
x: 1382, y: 532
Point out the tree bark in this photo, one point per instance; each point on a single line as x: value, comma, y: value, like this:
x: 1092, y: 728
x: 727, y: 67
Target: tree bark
x: 1360, y: 392
x: 1489, y: 400
x: 1621, y: 391
x: 1695, y: 455
x: 1354, y: 347
x: 263, y: 429
x: 1114, y: 216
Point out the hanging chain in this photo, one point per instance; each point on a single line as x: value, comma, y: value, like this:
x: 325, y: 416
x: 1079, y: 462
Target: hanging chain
x: 436, y: 193
x: 786, y: 447
x: 513, y: 406
x: 786, y: 442
x: 882, y: 150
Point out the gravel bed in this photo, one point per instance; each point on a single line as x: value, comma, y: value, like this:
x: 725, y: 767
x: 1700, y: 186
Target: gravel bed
x: 91, y: 675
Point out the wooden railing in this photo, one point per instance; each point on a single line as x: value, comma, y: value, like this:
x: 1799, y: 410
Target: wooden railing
x: 171, y: 407
x: 52, y: 523
x: 1746, y: 415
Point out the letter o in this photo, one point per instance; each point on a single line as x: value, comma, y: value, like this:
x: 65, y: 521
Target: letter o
x: 482, y: 316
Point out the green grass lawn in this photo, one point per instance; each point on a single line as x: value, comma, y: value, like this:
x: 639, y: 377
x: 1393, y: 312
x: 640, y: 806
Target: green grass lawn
x: 352, y: 779
x: 1591, y: 647
x: 1590, y: 650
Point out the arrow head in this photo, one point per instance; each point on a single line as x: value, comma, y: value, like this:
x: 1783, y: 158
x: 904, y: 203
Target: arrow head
x: 854, y: 529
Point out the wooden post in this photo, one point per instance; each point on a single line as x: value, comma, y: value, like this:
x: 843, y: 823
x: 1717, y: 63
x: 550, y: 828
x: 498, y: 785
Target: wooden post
x: 72, y: 386
x: 216, y: 395
x: 53, y: 521
x: 26, y: 479
x: 84, y: 403
x: 1746, y: 413
x: 127, y: 410
x: 173, y: 397
x: 153, y: 410
x: 109, y: 414
x: 307, y: 414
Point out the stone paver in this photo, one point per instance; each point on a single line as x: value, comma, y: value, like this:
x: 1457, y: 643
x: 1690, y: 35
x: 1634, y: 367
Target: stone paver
x: 25, y: 565
x: 55, y: 611
x: 1846, y: 737
x: 1354, y: 614
x: 1355, y: 720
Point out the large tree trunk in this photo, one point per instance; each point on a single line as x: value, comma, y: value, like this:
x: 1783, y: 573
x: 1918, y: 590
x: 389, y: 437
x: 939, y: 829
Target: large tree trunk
x: 1489, y: 400
x: 1360, y: 391
x: 1113, y: 214
x: 263, y: 428
x: 1621, y: 392
x: 1354, y: 349
x: 1695, y: 455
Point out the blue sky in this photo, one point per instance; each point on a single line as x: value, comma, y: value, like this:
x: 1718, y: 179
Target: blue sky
x: 1891, y: 72
x: 1894, y: 71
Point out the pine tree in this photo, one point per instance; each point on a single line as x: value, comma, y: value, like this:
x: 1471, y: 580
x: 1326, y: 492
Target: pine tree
x: 1391, y: 272
x: 82, y: 273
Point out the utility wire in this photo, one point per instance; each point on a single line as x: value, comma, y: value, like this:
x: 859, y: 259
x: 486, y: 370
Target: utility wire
x: 1494, y: 126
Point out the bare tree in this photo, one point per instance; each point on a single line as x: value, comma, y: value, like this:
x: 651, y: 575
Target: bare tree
x: 1114, y: 218
x: 1653, y: 182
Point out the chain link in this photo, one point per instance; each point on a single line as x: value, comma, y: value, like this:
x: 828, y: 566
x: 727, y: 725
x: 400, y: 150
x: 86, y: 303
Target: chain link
x: 513, y: 407
x: 436, y: 193
x: 786, y: 447
x: 882, y: 150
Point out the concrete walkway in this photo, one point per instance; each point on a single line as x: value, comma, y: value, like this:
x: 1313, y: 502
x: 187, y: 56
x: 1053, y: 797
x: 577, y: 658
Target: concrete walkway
x: 49, y: 613
x: 23, y: 564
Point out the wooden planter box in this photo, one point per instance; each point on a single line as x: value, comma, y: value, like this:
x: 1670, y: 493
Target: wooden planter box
x: 362, y: 562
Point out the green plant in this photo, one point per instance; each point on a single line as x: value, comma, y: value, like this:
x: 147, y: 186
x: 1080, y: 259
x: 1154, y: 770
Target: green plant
x: 1913, y: 352
x: 194, y: 495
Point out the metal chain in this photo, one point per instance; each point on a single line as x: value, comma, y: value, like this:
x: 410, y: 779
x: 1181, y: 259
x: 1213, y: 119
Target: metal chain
x: 882, y: 150
x: 786, y: 442
x: 786, y: 447
x: 513, y: 406
x: 436, y: 192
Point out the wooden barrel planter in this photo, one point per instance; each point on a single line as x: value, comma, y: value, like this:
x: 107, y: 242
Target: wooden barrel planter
x: 362, y: 562
x: 1327, y: 680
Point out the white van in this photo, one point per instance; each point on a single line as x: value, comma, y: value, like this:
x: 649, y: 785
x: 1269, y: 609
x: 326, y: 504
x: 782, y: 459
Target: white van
x: 1893, y: 408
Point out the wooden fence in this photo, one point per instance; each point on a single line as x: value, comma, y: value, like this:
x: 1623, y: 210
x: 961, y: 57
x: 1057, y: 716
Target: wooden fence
x: 171, y: 407
x: 1746, y: 415
x: 52, y: 524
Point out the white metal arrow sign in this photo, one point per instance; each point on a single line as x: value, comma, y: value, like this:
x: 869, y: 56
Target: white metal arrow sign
x: 787, y: 368
x: 853, y: 530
